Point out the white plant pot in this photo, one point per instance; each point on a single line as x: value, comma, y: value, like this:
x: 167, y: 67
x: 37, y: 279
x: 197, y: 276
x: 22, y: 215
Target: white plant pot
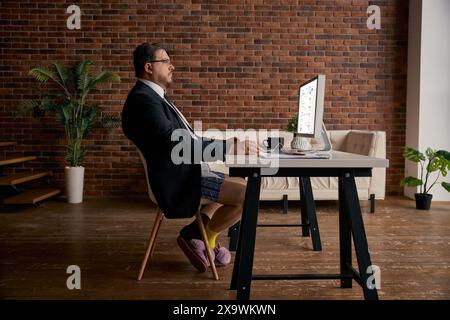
x: 300, y: 143
x: 74, y: 184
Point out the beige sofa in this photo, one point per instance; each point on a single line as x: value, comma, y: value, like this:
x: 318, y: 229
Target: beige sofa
x: 369, y: 143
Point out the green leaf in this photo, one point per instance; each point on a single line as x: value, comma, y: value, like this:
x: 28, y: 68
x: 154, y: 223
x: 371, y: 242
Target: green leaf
x: 443, y: 154
x: 443, y: 166
x: 410, y: 182
x: 75, y: 153
x: 42, y: 74
x: 429, y: 153
x: 37, y: 108
x: 82, y: 75
x: 61, y: 72
x: 434, y: 165
x: 26, y: 107
x: 63, y: 113
x: 88, y: 120
x: 292, y: 124
x: 446, y: 186
x: 102, y: 77
x: 413, y: 154
x: 47, y: 105
x: 444, y: 158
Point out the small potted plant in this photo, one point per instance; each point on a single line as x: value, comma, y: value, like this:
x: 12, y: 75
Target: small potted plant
x: 298, y: 142
x: 431, y: 161
x: 292, y: 124
x: 72, y: 110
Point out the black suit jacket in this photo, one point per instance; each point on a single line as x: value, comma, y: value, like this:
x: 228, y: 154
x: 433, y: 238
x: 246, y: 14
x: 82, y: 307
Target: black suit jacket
x: 148, y: 121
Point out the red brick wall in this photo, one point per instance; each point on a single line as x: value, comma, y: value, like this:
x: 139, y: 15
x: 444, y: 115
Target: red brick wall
x: 237, y: 66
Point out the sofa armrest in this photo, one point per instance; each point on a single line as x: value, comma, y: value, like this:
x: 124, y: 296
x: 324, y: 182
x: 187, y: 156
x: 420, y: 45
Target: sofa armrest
x: 372, y: 144
x: 378, y: 181
x: 337, y: 139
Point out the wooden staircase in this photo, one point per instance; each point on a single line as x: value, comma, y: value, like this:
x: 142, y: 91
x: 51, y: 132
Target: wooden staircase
x: 5, y: 162
x: 7, y: 143
x: 14, y: 181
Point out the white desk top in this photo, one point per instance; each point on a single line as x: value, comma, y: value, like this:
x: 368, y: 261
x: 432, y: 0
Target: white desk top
x: 338, y: 159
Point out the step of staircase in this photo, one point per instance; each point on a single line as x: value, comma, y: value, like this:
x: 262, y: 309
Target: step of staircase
x: 5, y: 162
x: 7, y: 143
x: 32, y: 196
x: 22, y: 177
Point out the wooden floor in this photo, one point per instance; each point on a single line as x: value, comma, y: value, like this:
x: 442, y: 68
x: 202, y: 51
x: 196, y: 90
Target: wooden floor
x: 107, y: 239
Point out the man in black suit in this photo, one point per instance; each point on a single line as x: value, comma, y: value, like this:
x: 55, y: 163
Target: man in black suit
x: 149, y: 119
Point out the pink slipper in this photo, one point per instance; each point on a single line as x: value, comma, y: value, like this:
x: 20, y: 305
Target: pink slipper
x: 199, y: 247
x: 195, y: 251
x: 223, y: 256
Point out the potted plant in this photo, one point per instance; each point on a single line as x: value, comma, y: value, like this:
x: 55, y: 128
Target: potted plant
x: 72, y: 110
x: 298, y: 142
x: 292, y: 125
x: 431, y: 161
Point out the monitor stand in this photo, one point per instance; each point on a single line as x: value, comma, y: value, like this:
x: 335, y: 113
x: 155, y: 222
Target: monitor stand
x: 326, y: 140
x: 305, y: 146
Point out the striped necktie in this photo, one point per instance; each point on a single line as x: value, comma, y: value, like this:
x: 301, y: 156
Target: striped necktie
x: 183, y: 119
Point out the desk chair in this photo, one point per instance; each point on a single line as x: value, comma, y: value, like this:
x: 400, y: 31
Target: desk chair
x: 157, y: 224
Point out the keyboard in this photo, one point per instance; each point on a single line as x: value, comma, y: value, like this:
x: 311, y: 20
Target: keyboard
x: 292, y: 154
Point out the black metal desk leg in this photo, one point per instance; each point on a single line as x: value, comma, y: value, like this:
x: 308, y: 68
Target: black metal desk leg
x: 237, y: 258
x: 359, y: 235
x: 345, y: 238
x: 309, y: 207
x: 246, y: 244
x: 233, y: 233
x: 304, y: 216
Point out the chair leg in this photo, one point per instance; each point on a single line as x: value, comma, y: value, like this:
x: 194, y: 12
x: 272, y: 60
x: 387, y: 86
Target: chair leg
x: 151, y: 242
x: 205, y: 240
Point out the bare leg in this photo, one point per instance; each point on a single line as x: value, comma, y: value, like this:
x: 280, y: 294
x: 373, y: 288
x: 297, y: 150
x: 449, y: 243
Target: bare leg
x: 225, y: 212
x: 232, y: 195
x: 210, y: 208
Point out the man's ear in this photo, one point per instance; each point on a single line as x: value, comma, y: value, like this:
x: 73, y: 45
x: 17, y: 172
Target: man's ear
x: 148, y: 68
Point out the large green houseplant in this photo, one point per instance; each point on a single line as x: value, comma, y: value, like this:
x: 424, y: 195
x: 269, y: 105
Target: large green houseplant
x: 72, y: 110
x: 431, y: 162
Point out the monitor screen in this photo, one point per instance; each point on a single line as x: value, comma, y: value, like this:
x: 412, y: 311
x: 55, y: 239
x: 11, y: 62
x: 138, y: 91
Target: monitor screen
x: 310, y: 107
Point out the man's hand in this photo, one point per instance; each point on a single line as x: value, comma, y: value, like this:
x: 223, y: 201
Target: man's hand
x: 251, y: 147
x: 247, y: 147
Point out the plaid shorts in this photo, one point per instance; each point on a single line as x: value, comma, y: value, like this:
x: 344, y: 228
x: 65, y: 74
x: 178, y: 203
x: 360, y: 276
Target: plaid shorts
x: 210, y: 186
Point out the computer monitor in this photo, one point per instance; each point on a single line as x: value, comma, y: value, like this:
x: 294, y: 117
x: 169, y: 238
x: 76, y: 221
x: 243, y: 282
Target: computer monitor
x: 310, y: 107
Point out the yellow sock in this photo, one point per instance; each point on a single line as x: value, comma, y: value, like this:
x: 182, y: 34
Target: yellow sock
x: 211, y: 237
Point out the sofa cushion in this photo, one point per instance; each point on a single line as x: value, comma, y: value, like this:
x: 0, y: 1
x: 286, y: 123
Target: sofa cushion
x: 360, y: 142
x: 361, y: 182
x: 274, y: 183
x: 337, y: 139
x: 282, y: 183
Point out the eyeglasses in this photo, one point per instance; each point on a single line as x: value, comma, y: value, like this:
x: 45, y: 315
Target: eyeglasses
x: 166, y: 61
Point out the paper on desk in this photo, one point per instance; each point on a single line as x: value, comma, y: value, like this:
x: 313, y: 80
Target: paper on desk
x: 306, y: 155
